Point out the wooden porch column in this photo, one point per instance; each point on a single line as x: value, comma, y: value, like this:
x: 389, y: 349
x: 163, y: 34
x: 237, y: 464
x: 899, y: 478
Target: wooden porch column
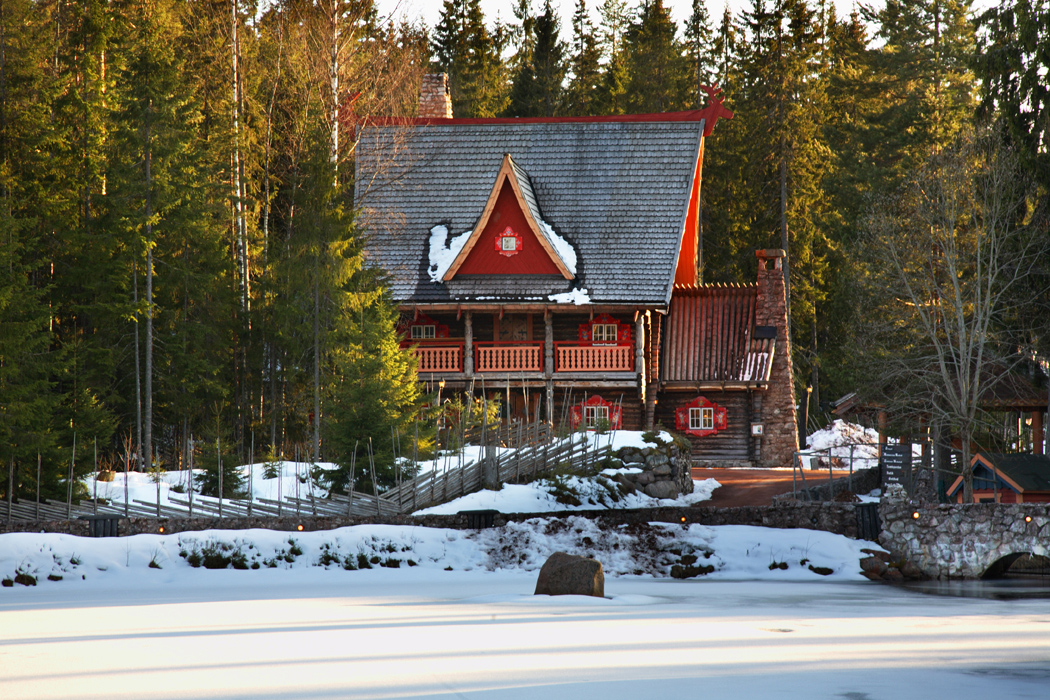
x: 548, y: 344
x: 468, y: 344
x: 639, y: 353
x: 1037, y: 432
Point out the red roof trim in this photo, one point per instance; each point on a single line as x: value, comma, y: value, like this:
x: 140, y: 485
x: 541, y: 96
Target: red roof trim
x: 710, y: 114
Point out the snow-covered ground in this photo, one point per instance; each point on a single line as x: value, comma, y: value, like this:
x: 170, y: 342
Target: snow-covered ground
x: 427, y: 633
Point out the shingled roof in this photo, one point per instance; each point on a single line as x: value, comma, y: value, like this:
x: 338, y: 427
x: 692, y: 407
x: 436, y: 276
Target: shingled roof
x: 616, y: 191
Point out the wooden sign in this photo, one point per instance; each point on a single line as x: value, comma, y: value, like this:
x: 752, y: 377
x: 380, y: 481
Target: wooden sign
x: 896, y: 464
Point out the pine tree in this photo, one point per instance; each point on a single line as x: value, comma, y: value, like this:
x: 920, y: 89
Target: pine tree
x: 615, y: 20
x: 537, y: 89
x: 584, y: 66
x: 1013, y: 61
x: 700, y: 49
x: 377, y: 396
x: 659, y: 74
x: 927, y: 86
x: 465, y: 49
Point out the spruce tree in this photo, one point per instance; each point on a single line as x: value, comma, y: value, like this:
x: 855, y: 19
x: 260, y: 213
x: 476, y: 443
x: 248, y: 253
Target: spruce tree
x: 700, y: 49
x: 1013, y: 62
x: 471, y: 55
x: 537, y: 89
x: 584, y: 66
x: 615, y: 20
x: 659, y: 74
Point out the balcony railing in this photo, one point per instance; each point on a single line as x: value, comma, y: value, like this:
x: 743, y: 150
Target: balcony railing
x: 509, y: 357
x: 573, y: 357
x: 446, y: 357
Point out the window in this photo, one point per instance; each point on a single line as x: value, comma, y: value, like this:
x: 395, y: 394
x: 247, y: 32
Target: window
x: 508, y: 243
x: 593, y: 415
x: 423, y: 332
x: 701, y: 419
x: 605, y: 332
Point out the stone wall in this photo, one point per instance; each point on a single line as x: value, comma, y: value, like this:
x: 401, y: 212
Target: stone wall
x: 780, y: 424
x: 966, y: 541
x: 839, y: 518
x: 666, y: 472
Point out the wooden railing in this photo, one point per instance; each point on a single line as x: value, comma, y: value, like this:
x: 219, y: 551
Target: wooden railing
x: 509, y: 357
x: 573, y: 357
x: 447, y: 357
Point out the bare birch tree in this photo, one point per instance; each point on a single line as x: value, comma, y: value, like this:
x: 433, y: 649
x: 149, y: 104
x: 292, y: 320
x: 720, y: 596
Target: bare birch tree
x: 953, y: 259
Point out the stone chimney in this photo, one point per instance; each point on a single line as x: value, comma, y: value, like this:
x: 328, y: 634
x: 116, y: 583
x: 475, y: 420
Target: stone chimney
x: 780, y: 421
x: 435, y: 101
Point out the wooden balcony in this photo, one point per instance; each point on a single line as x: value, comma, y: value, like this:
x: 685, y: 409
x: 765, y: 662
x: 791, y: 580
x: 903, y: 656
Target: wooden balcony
x: 443, y: 357
x: 508, y: 357
x: 573, y: 357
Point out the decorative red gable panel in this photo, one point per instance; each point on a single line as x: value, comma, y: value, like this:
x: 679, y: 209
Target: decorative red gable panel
x: 508, y: 243
x: 613, y: 411
x: 586, y: 331
x: 718, y: 418
x: 489, y: 258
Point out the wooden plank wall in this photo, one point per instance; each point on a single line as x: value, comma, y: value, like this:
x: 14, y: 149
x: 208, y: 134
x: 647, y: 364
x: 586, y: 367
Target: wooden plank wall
x: 731, y: 443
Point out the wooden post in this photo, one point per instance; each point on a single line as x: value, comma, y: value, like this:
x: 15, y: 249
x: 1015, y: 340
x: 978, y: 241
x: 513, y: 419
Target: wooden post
x: 468, y: 344
x: 548, y: 344
x: 1037, y: 432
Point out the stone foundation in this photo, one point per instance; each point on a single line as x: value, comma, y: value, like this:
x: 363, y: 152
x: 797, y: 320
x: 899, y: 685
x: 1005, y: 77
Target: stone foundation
x: 666, y: 472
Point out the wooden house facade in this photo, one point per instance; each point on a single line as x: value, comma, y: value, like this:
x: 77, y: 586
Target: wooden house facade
x: 554, y: 262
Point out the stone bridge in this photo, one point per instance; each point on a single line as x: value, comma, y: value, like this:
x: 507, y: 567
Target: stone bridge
x: 964, y: 541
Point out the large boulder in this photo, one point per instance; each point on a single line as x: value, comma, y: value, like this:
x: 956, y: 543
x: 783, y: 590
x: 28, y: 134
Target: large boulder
x: 567, y: 574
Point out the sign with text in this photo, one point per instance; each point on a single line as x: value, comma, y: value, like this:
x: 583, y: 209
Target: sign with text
x: 896, y: 464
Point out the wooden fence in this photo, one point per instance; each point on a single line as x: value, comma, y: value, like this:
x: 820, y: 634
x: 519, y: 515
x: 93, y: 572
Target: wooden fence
x: 537, y: 453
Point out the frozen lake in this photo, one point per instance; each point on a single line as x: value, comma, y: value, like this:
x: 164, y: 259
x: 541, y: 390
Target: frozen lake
x: 415, y: 633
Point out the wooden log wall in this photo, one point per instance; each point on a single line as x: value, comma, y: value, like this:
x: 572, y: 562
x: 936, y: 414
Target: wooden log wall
x: 633, y: 410
x: 732, y: 443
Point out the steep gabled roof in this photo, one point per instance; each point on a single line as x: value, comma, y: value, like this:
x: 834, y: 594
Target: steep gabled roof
x: 511, y: 173
x: 616, y: 191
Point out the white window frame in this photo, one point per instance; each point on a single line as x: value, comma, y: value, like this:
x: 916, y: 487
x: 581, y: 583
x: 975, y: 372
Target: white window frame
x: 592, y: 415
x: 510, y: 241
x: 600, y: 333
x: 424, y: 332
x: 702, y: 418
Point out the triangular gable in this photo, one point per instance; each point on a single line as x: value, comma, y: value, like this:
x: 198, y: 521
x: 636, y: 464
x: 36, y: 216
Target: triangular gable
x: 523, y: 199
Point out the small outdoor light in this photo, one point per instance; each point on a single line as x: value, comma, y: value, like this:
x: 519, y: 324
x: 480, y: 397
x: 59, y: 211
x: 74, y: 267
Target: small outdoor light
x: 683, y: 518
x: 299, y: 528
x: 162, y: 529
x: 1028, y: 518
x: 915, y: 515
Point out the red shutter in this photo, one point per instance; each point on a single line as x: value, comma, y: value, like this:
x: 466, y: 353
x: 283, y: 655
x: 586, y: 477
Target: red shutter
x: 720, y: 417
x: 681, y: 418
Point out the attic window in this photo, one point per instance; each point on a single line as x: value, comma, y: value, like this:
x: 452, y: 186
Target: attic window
x: 508, y: 243
x: 421, y: 332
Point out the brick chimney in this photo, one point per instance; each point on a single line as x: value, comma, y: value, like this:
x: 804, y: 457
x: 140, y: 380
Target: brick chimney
x: 780, y: 430
x: 435, y: 101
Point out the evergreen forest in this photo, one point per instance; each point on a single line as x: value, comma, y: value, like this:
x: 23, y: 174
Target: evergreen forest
x: 181, y: 259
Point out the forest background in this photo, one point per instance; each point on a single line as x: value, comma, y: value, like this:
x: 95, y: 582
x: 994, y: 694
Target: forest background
x: 177, y: 229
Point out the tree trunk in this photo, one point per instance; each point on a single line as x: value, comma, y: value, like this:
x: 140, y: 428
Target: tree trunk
x: 147, y: 443
x: 138, y: 368
x: 967, y: 469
